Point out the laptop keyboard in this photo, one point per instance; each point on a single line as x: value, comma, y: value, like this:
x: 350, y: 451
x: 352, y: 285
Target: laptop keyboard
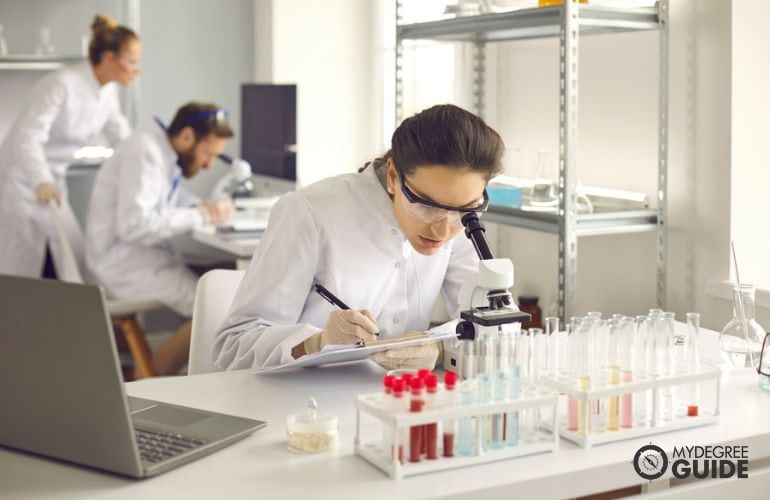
x: 157, y: 446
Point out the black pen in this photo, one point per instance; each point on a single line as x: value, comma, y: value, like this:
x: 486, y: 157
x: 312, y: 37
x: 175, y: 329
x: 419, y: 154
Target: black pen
x: 331, y: 298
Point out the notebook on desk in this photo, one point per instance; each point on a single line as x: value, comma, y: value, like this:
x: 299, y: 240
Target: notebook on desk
x: 62, y: 392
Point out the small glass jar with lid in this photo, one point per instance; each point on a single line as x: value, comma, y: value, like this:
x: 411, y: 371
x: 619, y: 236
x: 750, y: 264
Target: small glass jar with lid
x: 311, y: 431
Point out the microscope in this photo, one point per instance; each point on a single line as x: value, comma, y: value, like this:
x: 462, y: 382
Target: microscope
x: 486, y: 305
x: 237, y: 182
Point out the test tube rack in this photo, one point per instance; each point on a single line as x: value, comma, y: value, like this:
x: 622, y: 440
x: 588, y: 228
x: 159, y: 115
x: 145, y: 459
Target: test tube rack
x: 540, y: 440
x: 705, y: 376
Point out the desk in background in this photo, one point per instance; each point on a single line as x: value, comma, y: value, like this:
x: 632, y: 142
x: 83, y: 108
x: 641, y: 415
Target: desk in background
x: 261, y: 467
x: 241, y: 248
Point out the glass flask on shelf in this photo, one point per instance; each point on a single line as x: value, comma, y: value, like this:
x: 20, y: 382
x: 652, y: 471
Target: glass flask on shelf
x: 740, y: 342
x: 3, y: 43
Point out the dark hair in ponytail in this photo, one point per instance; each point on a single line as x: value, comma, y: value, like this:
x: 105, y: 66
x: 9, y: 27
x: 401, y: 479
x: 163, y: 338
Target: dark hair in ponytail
x: 107, y: 36
x: 446, y: 135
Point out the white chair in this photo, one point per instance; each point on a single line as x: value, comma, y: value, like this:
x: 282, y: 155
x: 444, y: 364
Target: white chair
x: 213, y: 297
x: 124, y: 313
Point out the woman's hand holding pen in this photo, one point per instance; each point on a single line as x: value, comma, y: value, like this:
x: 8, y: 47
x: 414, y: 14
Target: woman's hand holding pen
x: 344, y: 326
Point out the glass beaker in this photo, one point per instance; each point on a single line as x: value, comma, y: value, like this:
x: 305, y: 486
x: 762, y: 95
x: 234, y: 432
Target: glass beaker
x: 741, y: 339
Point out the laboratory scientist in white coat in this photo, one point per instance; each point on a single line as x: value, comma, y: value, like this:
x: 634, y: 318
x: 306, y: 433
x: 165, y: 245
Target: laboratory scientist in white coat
x: 138, y: 204
x: 387, y: 241
x: 65, y: 111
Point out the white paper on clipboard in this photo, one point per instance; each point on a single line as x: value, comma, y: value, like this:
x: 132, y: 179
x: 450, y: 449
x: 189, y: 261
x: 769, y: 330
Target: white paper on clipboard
x: 345, y: 353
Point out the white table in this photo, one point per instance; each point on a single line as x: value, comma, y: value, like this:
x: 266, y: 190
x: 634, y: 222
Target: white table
x: 241, y: 248
x: 261, y: 466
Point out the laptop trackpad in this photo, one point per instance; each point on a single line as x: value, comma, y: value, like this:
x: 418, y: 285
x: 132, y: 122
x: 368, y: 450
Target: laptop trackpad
x: 166, y: 415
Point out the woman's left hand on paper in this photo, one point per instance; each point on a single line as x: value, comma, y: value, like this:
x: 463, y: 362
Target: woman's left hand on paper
x: 415, y: 357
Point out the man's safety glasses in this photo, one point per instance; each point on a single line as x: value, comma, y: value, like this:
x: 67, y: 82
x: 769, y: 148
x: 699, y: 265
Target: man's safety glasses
x: 218, y: 116
x: 430, y: 212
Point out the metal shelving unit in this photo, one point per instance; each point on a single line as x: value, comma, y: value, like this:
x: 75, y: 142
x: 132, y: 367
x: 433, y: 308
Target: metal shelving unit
x: 569, y: 22
x: 37, y: 62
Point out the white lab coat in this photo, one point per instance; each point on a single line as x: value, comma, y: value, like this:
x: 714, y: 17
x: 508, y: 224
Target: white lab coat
x: 66, y: 110
x: 133, y: 213
x: 341, y: 233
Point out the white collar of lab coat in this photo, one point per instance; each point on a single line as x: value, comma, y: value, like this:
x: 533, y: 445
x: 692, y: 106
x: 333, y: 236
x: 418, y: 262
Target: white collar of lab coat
x: 89, y: 76
x: 170, y: 156
x: 379, y: 196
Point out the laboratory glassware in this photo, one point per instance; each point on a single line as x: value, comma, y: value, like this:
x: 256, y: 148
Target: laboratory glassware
x: 692, y: 345
x: 741, y: 339
x: 764, y: 364
x: 3, y: 43
x: 44, y: 44
x: 450, y: 400
x: 311, y: 431
x: 552, y: 347
x: 465, y: 432
x: 431, y: 430
x: 416, y: 405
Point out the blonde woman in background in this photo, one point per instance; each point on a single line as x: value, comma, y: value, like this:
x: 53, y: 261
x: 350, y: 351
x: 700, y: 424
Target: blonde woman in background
x: 66, y: 110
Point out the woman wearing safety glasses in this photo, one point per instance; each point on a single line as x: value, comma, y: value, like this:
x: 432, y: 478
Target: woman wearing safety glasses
x: 66, y: 110
x: 386, y: 241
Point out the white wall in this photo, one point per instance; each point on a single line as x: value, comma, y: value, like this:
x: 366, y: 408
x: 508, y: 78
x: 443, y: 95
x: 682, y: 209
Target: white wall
x: 325, y: 48
x: 196, y: 50
x: 750, y: 155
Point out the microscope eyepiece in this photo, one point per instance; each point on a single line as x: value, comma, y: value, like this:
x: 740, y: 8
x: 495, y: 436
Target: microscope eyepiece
x: 475, y: 230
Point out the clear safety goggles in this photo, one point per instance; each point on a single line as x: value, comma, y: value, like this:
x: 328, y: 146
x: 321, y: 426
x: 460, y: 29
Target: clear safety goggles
x: 218, y: 116
x: 430, y: 212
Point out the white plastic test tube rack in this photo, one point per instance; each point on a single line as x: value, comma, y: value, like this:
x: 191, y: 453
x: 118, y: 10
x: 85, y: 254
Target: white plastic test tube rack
x: 707, y: 377
x: 370, y: 447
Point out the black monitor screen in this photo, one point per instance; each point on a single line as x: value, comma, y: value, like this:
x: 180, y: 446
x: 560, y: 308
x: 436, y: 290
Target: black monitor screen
x: 269, y: 129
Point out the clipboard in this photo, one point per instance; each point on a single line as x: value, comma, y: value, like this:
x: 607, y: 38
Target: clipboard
x: 357, y: 352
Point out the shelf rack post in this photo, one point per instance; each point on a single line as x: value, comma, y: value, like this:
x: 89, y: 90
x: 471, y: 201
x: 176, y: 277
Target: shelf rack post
x: 662, y: 229
x: 568, y: 116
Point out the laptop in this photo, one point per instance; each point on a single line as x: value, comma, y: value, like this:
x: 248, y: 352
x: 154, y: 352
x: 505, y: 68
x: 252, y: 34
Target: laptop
x: 62, y: 394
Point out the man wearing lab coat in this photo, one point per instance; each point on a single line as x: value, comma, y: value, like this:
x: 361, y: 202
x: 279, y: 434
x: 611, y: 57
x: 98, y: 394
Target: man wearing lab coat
x: 138, y: 204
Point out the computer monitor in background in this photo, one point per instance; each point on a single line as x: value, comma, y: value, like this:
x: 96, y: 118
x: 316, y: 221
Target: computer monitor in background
x: 269, y: 135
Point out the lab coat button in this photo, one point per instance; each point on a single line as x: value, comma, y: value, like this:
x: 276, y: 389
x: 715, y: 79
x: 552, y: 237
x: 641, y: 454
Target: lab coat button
x: 398, y: 264
x: 395, y: 320
x: 393, y: 232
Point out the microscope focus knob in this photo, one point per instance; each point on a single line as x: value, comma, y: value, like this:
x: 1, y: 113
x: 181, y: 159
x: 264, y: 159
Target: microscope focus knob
x: 465, y: 330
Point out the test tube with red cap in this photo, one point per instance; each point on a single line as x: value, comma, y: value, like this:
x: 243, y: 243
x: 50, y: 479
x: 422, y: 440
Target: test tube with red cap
x: 431, y: 429
x: 450, y: 400
x: 400, y: 404
x: 416, y: 405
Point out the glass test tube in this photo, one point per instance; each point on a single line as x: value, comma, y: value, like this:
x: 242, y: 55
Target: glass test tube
x: 500, y: 386
x: 484, y: 386
x: 667, y: 336
x: 430, y: 435
x: 643, y: 345
x: 466, y: 437
x: 626, y: 352
x: 400, y: 404
x: 575, y: 350
x: 512, y: 418
x: 613, y: 345
x: 416, y: 405
x: 693, y: 362
x: 552, y: 335
x: 450, y: 400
